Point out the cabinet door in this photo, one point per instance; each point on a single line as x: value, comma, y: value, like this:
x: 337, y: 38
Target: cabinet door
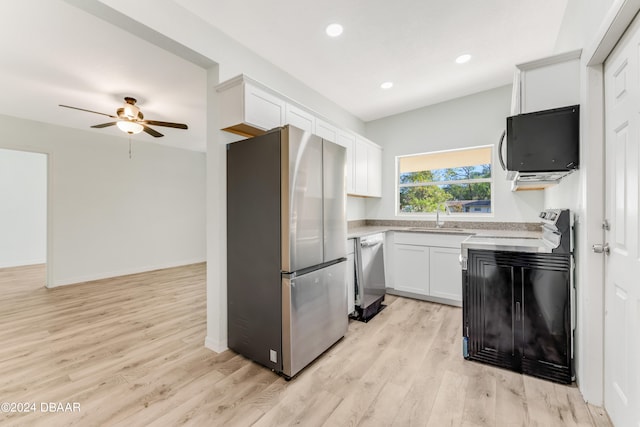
x: 261, y: 109
x: 411, y: 269
x: 489, y: 302
x: 300, y: 118
x: 361, y: 162
x: 546, y: 323
x: 374, y: 171
x: 444, y: 278
x: 326, y: 131
x: 348, y: 141
x: 550, y: 86
x: 546, y: 83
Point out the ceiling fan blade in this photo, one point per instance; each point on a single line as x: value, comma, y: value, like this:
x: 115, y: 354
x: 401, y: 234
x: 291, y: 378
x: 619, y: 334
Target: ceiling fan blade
x: 150, y: 131
x: 88, y: 111
x: 166, y: 124
x: 104, y: 125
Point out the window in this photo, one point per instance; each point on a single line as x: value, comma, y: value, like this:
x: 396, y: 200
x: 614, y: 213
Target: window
x: 456, y: 181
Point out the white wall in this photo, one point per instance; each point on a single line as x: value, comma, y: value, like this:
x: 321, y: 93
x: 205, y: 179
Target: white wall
x: 23, y: 208
x: 110, y: 215
x: 356, y: 208
x: 581, y: 21
x: 473, y: 120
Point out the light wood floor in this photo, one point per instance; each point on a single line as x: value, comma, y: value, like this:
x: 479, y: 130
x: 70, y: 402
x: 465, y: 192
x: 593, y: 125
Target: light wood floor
x: 130, y: 351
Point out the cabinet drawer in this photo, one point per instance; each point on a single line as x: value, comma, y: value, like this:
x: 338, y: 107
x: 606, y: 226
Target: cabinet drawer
x: 430, y: 239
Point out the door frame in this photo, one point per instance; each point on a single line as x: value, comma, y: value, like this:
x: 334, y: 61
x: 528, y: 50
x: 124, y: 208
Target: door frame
x: 591, y: 288
x: 49, y: 213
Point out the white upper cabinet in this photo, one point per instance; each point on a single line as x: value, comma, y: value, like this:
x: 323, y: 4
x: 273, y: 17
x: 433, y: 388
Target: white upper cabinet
x: 249, y: 108
x: 262, y: 109
x: 547, y: 83
x: 361, y: 167
x: 367, y: 166
x: 374, y: 171
x: 326, y: 130
x: 348, y: 141
x: 300, y: 118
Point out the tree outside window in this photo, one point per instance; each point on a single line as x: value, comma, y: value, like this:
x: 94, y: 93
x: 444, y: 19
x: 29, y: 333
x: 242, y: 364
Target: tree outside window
x: 457, y: 181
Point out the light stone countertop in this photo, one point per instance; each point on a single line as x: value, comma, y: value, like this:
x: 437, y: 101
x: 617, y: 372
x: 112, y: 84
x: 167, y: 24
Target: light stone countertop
x: 509, y: 231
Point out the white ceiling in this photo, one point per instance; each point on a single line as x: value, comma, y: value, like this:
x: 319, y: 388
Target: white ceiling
x: 413, y: 43
x: 55, y: 53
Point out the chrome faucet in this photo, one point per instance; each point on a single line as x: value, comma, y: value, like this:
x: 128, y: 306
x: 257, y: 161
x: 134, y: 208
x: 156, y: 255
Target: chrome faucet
x: 438, y: 223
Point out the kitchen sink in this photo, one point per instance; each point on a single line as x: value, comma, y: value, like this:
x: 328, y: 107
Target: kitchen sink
x: 443, y: 230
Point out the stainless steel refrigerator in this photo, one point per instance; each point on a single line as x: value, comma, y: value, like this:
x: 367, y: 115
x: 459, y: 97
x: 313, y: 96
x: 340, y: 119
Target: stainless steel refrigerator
x: 286, y: 248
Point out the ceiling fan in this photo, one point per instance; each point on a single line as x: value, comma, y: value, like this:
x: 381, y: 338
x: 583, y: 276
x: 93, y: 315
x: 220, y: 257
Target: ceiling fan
x: 129, y: 119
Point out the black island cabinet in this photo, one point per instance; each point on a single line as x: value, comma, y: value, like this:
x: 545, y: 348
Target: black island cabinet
x: 516, y: 312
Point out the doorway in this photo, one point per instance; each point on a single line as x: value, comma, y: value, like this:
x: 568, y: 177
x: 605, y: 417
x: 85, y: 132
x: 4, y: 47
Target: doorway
x: 622, y: 265
x: 23, y: 219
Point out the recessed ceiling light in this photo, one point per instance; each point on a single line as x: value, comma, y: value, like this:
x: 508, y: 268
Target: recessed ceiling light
x: 334, y: 30
x: 463, y: 58
x: 386, y: 85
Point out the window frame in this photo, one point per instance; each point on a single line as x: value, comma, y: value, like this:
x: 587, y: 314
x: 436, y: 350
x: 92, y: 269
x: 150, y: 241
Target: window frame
x: 469, y: 215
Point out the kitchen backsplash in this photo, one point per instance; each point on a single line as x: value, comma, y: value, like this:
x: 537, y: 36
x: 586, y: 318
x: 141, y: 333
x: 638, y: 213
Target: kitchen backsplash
x: 516, y: 226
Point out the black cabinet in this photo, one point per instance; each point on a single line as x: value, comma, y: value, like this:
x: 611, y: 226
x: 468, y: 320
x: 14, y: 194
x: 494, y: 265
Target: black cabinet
x: 516, y: 312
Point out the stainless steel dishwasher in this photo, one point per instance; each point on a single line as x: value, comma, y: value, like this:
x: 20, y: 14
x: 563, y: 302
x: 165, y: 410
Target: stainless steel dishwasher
x: 370, y: 282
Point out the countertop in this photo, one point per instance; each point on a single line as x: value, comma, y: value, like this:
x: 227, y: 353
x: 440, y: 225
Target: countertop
x: 525, y: 232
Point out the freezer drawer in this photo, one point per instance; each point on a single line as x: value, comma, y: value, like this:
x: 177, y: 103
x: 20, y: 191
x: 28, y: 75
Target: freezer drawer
x: 313, y: 315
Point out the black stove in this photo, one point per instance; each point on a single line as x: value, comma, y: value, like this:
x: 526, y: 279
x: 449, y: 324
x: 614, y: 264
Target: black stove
x: 517, y: 300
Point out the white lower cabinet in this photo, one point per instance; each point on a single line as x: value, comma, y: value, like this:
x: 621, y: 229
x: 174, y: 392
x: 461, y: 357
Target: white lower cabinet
x: 426, y: 266
x: 445, y: 278
x: 411, y: 268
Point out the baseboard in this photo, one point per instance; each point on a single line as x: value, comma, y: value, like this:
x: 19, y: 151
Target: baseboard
x: 214, y: 345
x: 124, y: 272
x: 23, y: 263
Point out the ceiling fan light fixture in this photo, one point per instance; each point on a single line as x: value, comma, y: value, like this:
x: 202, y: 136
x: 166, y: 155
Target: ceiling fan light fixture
x: 131, y: 111
x: 131, y: 128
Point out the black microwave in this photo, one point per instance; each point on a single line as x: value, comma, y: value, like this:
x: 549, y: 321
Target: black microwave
x: 543, y: 141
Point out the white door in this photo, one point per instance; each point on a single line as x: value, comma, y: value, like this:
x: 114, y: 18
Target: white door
x: 622, y: 266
